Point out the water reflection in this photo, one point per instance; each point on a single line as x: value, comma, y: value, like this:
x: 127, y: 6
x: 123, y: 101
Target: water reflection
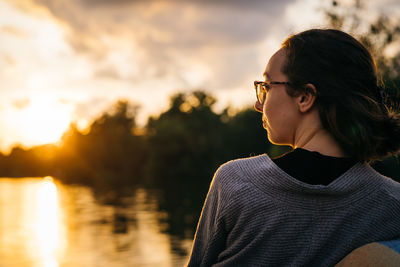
x: 47, y: 223
x: 44, y: 223
x: 30, y: 226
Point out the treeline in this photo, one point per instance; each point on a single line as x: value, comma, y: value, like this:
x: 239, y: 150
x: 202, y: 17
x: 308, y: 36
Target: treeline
x: 188, y: 141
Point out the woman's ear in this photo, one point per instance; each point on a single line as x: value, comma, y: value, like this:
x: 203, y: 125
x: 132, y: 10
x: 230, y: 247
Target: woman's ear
x: 306, y: 99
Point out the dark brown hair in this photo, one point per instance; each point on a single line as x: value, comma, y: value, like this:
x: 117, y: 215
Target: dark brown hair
x: 349, y: 99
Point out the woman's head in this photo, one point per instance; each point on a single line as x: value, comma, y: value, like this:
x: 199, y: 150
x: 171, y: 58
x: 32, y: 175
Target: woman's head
x: 284, y: 115
x: 348, y: 99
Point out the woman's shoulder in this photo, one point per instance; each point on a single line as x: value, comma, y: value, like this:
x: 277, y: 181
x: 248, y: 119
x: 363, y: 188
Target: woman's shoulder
x: 244, y: 166
x: 390, y: 187
x: 237, y: 171
x: 234, y: 181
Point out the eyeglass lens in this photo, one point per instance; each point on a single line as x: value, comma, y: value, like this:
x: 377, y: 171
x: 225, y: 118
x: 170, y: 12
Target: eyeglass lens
x: 260, y: 92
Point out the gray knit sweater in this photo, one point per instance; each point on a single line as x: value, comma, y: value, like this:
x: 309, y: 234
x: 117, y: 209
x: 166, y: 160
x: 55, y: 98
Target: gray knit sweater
x: 257, y: 215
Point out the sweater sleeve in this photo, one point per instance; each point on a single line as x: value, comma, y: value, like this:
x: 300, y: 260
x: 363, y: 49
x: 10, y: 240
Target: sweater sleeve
x: 210, y: 235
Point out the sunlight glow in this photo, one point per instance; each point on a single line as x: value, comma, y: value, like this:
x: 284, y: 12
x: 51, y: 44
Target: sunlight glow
x: 43, y: 121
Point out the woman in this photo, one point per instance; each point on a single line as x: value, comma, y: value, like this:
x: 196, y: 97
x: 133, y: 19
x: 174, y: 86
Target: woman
x: 316, y: 204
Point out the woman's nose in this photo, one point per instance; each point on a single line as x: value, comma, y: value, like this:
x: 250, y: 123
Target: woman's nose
x: 258, y: 107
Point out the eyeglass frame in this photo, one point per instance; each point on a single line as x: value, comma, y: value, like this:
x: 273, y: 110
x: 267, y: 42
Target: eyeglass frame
x: 265, y: 86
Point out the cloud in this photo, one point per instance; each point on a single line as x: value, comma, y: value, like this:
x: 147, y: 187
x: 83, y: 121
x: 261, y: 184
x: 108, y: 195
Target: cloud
x: 14, y: 31
x: 167, y: 37
x: 21, y: 103
x: 7, y: 59
x: 89, y: 109
x: 108, y: 73
x: 250, y: 4
x: 298, y: 21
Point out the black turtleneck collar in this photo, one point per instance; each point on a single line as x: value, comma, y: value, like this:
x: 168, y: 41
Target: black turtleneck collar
x: 313, y: 167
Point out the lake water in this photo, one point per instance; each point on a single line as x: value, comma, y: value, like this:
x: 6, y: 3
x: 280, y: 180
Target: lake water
x: 44, y: 223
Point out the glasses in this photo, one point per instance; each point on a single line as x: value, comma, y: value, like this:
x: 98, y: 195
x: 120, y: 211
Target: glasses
x: 263, y: 87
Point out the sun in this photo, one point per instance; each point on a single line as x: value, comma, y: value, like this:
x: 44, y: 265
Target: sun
x: 43, y: 121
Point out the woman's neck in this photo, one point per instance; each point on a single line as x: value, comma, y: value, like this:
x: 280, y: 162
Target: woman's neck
x: 321, y: 141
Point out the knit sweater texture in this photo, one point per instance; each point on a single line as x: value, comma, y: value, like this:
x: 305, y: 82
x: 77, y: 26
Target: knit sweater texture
x: 255, y: 214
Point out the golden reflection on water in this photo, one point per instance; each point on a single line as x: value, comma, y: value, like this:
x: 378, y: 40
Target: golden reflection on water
x: 45, y: 223
x: 30, y: 224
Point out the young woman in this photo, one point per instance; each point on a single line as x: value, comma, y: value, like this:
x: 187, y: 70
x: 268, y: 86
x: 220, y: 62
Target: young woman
x: 316, y: 204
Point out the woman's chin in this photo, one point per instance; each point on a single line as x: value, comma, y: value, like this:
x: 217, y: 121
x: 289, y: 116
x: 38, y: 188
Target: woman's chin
x: 273, y: 139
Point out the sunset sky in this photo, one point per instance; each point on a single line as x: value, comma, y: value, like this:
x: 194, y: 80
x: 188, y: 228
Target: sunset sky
x: 69, y: 60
